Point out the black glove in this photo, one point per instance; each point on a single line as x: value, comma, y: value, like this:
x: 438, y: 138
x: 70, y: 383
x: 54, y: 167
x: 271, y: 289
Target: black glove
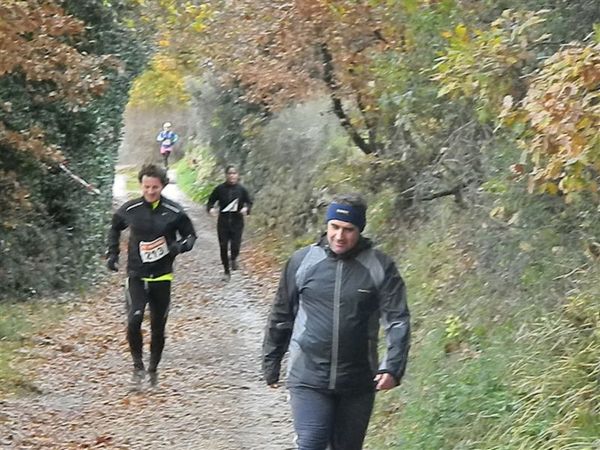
x: 175, y: 248
x: 111, y: 263
x: 188, y: 243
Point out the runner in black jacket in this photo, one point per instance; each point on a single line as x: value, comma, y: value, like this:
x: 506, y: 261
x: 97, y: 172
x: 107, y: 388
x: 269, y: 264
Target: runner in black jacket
x: 159, y: 230
x: 234, y: 203
x: 331, y: 299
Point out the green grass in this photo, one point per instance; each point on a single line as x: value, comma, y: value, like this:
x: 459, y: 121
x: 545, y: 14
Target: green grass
x: 455, y: 386
x: 192, y: 182
x: 19, y: 322
x: 132, y: 184
x: 505, y: 349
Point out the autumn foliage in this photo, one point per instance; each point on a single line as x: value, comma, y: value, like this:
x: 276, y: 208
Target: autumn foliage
x: 162, y: 84
x: 34, y: 41
x: 470, y: 126
x: 562, y: 113
x: 554, y: 106
x: 284, y: 52
x: 34, y: 38
x: 63, y: 85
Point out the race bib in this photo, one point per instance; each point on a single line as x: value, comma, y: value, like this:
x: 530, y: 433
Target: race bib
x: 166, y: 142
x: 153, y: 251
x: 232, y: 207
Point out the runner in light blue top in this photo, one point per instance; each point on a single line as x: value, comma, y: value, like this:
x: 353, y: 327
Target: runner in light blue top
x: 167, y: 139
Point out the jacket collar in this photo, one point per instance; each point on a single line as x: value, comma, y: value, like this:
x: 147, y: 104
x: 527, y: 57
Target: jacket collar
x: 149, y: 204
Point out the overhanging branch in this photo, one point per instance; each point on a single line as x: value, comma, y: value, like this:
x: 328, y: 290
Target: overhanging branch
x: 338, y: 109
x: 456, y: 191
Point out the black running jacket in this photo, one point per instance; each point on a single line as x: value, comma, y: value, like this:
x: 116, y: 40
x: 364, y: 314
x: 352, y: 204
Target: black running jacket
x: 231, y: 198
x: 152, y: 233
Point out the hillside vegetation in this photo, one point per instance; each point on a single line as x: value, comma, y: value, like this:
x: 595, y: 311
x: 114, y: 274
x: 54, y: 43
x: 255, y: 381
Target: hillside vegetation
x: 471, y: 127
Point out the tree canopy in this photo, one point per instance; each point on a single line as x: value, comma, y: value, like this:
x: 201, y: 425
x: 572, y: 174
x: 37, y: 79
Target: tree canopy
x: 375, y: 58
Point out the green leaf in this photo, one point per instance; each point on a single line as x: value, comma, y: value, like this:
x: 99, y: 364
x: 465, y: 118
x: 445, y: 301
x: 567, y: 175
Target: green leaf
x: 410, y: 6
x: 597, y: 33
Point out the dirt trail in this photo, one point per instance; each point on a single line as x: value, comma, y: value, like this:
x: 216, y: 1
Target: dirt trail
x: 210, y: 394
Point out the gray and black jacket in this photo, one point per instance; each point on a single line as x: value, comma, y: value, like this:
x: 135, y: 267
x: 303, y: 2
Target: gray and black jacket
x: 328, y: 310
x: 168, y: 222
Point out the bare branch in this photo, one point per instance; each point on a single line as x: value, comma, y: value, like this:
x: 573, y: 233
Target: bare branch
x: 456, y: 191
x: 338, y: 109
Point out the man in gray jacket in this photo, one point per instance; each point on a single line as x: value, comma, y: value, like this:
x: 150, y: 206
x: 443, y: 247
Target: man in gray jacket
x: 331, y: 299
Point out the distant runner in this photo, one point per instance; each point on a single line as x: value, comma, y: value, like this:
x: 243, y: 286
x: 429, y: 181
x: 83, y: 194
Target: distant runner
x: 234, y: 203
x: 167, y: 139
x: 159, y: 230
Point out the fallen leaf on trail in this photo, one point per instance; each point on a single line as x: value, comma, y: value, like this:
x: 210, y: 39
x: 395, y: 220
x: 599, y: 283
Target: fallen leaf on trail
x: 103, y: 439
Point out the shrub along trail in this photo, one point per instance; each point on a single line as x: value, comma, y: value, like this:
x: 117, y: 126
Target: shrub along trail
x: 210, y: 394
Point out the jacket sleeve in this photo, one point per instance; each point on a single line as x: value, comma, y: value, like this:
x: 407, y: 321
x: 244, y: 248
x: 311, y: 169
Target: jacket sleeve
x: 117, y: 225
x: 160, y: 137
x: 395, y: 319
x: 212, y: 199
x: 187, y: 233
x: 280, y: 324
x: 246, y: 200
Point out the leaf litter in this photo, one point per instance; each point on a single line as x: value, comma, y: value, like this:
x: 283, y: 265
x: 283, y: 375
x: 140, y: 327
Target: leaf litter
x: 210, y: 393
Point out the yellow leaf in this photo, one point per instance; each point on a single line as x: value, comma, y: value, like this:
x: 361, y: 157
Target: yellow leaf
x: 497, y: 212
x: 585, y: 122
x: 461, y: 32
x: 570, y: 198
x: 525, y: 246
x: 551, y: 188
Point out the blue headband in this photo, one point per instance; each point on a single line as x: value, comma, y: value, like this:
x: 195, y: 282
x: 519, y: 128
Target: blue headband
x: 347, y: 213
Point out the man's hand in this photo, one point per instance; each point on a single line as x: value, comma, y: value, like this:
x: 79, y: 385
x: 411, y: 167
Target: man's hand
x: 213, y: 212
x: 244, y: 211
x: 274, y: 385
x: 112, y: 262
x: 385, y: 382
x: 175, y: 248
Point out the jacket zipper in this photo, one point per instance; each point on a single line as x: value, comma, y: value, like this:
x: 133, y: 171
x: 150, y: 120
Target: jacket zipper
x: 153, y: 222
x: 337, y: 293
x: 229, y: 198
